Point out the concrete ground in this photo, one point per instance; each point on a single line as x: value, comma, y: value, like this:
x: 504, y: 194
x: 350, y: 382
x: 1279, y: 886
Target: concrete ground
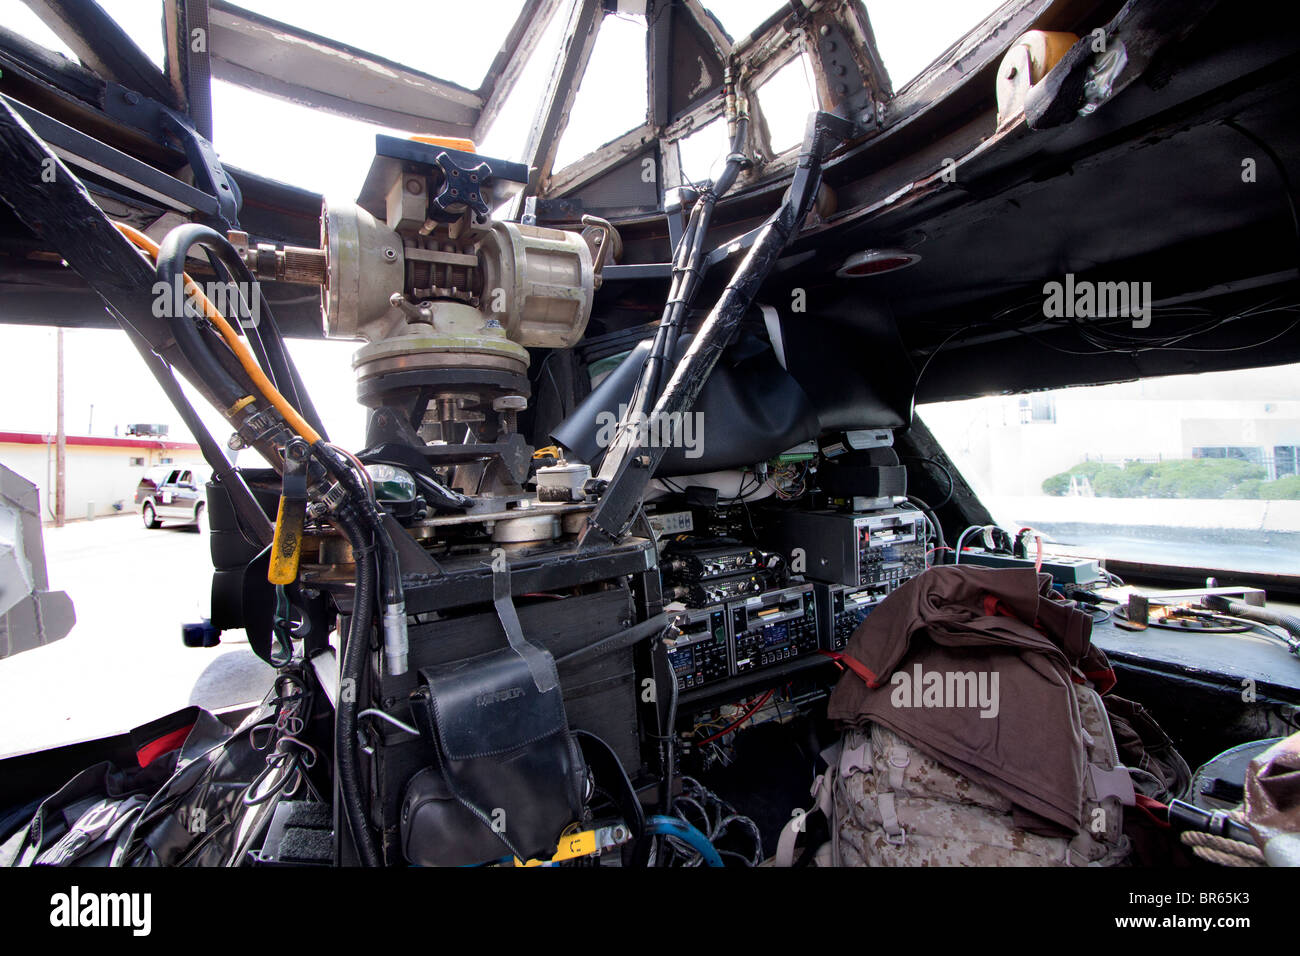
x: 123, y: 664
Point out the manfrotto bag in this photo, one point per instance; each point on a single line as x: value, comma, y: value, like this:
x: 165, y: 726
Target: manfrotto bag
x: 507, y: 776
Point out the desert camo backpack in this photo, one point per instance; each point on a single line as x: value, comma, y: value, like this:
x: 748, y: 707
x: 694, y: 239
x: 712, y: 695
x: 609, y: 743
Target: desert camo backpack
x: 890, y: 804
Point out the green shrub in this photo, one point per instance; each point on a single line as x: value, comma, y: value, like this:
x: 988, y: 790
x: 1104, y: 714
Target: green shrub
x: 1120, y: 483
x: 1284, y: 489
x: 1249, y: 488
x: 1056, y: 485
x: 1091, y: 469
x: 1187, y: 478
x: 1200, y: 477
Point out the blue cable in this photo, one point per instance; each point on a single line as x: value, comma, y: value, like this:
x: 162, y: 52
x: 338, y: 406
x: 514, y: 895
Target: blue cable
x: 671, y: 826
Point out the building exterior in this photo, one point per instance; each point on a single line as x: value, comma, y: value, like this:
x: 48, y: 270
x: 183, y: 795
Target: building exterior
x: 1007, y: 444
x: 101, y: 473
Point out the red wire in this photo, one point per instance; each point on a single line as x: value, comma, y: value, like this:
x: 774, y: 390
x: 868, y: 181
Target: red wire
x: 744, y: 717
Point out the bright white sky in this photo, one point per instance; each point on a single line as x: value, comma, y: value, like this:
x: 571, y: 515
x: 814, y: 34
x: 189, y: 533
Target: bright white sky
x: 331, y: 155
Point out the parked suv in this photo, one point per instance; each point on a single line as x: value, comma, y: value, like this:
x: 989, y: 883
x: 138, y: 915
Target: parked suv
x: 170, y: 494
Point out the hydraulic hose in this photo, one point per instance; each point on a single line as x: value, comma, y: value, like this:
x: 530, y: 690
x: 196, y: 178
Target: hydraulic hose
x: 189, y: 339
x: 246, y: 359
x: 355, y: 648
x: 396, y: 636
x: 263, y: 334
x: 224, y: 261
x: 169, y: 261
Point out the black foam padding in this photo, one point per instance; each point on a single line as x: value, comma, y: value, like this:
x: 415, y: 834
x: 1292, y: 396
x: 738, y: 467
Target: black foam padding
x: 848, y: 480
x: 306, y: 814
x: 303, y: 845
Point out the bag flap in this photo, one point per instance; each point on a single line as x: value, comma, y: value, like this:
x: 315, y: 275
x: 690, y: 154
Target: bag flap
x: 489, y: 704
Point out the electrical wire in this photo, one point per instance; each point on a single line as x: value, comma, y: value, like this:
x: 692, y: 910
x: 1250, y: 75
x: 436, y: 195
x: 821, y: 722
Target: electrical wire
x: 1285, y: 176
x: 744, y: 717
x: 674, y: 828
x: 916, y: 383
x: 786, y: 478
x: 715, y: 819
x: 932, y: 519
x: 961, y: 541
x: 952, y: 484
x: 1110, y: 336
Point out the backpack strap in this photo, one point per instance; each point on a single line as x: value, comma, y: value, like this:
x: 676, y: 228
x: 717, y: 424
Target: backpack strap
x: 897, y: 760
x: 894, y: 832
x: 823, y: 794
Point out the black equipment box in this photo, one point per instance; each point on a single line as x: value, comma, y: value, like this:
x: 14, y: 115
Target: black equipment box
x: 701, y: 653
x: 852, y: 548
x: 773, y: 628
x: 840, y: 609
x: 692, y: 561
x: 701, y: 594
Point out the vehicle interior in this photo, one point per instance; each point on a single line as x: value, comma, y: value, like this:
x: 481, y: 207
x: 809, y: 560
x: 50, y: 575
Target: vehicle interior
x: 658, y: 424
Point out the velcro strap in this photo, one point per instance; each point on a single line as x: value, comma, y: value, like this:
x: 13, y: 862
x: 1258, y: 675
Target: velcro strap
x: 894, y: 833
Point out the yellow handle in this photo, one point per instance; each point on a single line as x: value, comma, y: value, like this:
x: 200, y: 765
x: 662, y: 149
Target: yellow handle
x: 286, y: 546
x: 571, y: 847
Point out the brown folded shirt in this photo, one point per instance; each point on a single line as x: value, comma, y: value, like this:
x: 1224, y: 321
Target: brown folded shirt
x: 973, y: 665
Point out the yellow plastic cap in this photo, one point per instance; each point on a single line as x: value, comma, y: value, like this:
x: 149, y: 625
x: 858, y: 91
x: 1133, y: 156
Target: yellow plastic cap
x: 450, y: 142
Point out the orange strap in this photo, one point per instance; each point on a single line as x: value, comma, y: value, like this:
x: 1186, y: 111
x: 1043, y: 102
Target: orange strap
x: 855, y: 665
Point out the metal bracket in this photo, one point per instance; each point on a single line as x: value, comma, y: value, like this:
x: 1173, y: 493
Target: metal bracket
x: 849, y: 91
x: 209, y: 174
x: 1100, y: 85
x: 675, y: 201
